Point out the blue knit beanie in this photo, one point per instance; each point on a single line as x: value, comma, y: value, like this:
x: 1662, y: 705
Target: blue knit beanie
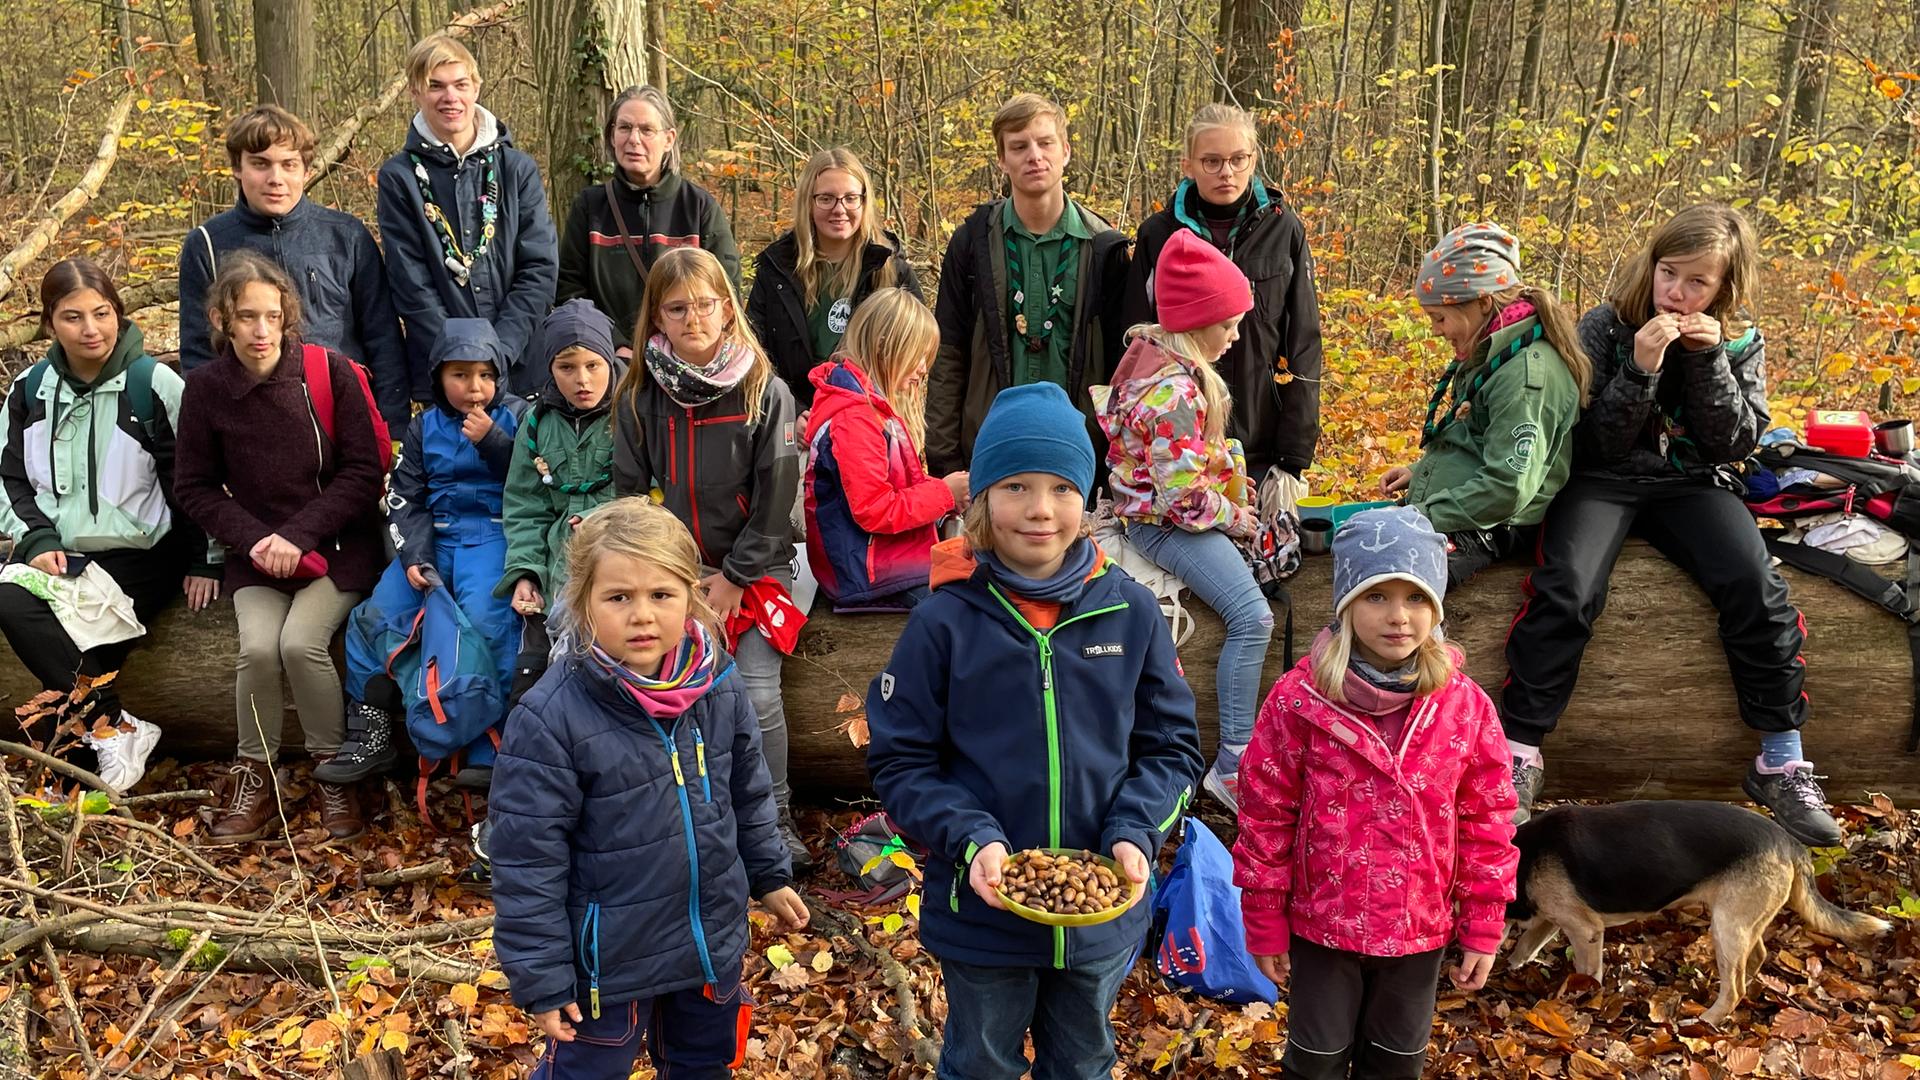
x: 1380, y: 545
x: 1032, y: 428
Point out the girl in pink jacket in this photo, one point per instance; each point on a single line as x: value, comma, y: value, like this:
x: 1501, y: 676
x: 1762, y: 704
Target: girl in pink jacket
x: 1375, y: 814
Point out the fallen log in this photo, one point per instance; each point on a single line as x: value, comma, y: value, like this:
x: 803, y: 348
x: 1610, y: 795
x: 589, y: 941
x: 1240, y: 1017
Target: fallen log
x: 1653, y: 715
x: 77, y: 196
x: 284, y: 955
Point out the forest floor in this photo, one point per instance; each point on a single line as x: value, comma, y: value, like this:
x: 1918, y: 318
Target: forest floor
x: 410, y: 966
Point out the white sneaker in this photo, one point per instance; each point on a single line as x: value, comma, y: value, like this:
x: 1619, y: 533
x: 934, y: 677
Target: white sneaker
x: 123, y: 755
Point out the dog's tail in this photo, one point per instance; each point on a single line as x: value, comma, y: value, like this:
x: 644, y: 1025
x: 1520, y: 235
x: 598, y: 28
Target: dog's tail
x: 1822, y: 915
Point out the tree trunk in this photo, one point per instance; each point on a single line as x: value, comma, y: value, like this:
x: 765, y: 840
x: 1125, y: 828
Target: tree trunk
x: 1530, y: 63
x: 207, y: 42
x: 1650, y: 715
x: 283, y: 55
x: 583, y: 51
x: 1436, y: 117
x: 1245, y: 33
x: 657, y: 43
x: 1805, y: 82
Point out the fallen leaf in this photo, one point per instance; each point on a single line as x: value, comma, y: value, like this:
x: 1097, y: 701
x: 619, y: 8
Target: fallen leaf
x: 822, y: 961
x: 184, y: 827
x: 318, y: 1035
x: 790, y: 978
x: 1798, y: 1025
x: 1550, y: 1017
x: 465, y: 995
x: 779, y: 956
x: 847, y: 703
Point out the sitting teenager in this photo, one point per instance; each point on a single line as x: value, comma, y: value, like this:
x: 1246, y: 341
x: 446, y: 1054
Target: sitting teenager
x: 808, y: 283
x: 1492, y: 461
x: 294, y: 498
x: 872, y: 510
x: 331, y: 257
x: 1273, y: 370
x: 1679, y: 400
x: 1172, y: 470
x: 562, y: 466
x: 617, y: 229
x: 86, y: 460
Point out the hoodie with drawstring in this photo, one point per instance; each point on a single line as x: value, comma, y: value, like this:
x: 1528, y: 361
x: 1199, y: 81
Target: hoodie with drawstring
x: 79, y: 473
x: 562, y: 455
x: 511, y: 285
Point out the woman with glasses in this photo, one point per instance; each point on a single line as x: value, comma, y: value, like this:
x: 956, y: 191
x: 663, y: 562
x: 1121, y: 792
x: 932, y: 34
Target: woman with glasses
x: 618, y: 228
x: 86, y: 460
x: 807, y: 283
x: 1273, y: 371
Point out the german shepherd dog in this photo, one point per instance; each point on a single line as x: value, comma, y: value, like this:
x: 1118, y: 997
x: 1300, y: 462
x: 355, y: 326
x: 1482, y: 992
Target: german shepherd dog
x: 1585, y: 868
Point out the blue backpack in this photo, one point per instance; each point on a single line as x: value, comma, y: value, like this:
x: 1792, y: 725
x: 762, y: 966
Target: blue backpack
x: 443, y: 668
x: 1202, y: 942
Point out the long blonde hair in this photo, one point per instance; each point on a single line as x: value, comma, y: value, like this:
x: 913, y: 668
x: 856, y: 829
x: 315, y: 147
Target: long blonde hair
x: 1701, y: 228
x: 640, y: 529
x: 1435, y: 662
x: 1559, y: 327
x: 1214, y: 395
x: 818, y: 277
x: 892, y: 334
x: 690, y: 266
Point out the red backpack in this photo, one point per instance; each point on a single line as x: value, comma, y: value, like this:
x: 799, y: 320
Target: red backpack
x: 319, y: 379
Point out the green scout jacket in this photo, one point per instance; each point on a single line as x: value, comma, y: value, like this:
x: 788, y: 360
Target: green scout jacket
x: 1503, y: 460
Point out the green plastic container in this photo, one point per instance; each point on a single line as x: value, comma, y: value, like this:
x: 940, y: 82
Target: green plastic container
x: 1346, y: 510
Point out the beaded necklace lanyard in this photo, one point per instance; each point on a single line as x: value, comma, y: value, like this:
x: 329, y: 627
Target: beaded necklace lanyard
x: 459, y: 262
x: 578, y: 487
x: 1056, y: 290
x: 1431, y: 429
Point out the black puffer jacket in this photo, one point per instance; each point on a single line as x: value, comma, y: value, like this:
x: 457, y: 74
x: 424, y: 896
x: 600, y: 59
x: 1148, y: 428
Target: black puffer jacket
x: 777, y: 307
x: 1702, y: 410
x: 1278, y: 423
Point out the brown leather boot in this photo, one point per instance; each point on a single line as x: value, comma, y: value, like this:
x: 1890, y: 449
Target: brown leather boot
x: 339, y: 807
x: 249, y: 806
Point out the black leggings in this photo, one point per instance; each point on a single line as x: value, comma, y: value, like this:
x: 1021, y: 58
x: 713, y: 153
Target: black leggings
x: 1707, y: 532
x: 151, y: 579
x: 1370, y: 1014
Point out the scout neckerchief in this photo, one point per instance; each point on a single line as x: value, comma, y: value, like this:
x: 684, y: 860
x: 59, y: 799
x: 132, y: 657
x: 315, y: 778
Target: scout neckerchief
x: 1056, y: 290
x: 578, y: 487
x: 1431, y: 429
x: 459, y: 262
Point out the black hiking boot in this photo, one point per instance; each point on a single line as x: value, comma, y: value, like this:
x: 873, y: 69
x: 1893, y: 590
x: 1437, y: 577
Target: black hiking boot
x: 1797, y: 802
x: 367, y: 750
x: 1527, y: 780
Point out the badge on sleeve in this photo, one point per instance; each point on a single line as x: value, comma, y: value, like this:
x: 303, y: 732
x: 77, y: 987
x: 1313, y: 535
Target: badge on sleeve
x: 886, y: 686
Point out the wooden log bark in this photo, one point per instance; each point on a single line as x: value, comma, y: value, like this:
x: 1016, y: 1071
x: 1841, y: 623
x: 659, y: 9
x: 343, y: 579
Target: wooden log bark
x: 1653, y: 715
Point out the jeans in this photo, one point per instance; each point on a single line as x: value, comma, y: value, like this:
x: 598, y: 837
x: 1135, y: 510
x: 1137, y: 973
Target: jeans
x: 990, y: 1009
x: 290, y: 634
x: 1375, y: 1012
x: 1214, y: 569
x: 1707, y: 532
x: 688, y: 1036
x: 759, y: 664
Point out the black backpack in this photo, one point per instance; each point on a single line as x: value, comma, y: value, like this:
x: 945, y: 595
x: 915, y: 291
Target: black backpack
x: 1883, y: 490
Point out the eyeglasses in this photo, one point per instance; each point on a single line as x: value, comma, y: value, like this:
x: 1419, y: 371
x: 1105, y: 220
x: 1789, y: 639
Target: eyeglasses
x: 851, y: 200
x: 678, y: 311
x: 1214, y: 166
x: 646, y: 132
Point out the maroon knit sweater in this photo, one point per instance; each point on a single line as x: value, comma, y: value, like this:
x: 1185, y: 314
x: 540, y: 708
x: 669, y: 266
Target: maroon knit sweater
x: 252, y: 460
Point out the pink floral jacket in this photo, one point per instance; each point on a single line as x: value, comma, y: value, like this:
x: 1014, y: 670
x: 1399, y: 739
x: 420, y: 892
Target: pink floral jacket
x: 1161, y: 467
x: 1369, y: 848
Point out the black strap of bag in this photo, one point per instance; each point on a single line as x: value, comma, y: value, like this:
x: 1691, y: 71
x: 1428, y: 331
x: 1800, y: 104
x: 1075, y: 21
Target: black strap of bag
x: 1901, y: 599
x: 626, y: 237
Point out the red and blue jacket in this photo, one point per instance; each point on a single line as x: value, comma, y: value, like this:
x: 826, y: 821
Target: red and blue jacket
x: 1037, y: 725
x: 872, y: 510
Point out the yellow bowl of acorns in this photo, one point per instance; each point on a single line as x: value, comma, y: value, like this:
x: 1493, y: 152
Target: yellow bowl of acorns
x: 1066, y: 887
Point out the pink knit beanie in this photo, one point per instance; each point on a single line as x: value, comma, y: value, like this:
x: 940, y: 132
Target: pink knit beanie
x: 1195, y: 286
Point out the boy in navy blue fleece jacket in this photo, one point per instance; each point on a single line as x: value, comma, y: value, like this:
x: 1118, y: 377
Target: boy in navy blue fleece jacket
x: 1033, y: 701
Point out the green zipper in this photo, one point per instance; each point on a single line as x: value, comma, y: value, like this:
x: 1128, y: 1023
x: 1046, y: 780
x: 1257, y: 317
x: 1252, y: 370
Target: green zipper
x: 1045, y: 641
